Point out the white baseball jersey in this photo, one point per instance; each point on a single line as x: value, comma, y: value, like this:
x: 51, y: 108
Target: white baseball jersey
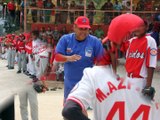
x: 35, y: 50
x: 44, y: 50
x: 36, y: 46
x: 111, y: 99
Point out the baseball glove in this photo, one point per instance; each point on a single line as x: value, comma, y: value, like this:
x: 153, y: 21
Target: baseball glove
x: 149, y: 92
x: 38, y: 88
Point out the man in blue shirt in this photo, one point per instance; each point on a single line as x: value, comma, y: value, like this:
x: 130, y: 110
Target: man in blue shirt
x: 77, y: 50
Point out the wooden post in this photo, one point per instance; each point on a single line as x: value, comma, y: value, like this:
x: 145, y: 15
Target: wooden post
x: 85, y: 7
x: 131, y: 7
x: 25, y: 15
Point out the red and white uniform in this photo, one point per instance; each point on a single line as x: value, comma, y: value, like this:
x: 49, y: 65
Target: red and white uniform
x: 21, y: 47
x: 44, y: 50
x: 141, y: 54
x: 30, y: 65
x: 10, y: 44
x: 111, y: 99
x: 36, y: 46
x: 16, y: 41
x: 27, y: 36
x: 44, y: 53
x: 28, y: 47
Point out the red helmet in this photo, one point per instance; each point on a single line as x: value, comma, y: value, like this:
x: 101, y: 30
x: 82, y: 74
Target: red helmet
x: 122, y: 26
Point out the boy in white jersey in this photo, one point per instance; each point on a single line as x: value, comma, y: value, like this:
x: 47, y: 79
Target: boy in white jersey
x: 36, y: 43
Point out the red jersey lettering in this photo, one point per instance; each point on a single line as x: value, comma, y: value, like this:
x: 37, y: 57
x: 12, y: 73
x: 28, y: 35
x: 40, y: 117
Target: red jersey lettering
x: 141, y: 54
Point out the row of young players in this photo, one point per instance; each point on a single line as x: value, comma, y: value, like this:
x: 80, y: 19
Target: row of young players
x: 32, y: 53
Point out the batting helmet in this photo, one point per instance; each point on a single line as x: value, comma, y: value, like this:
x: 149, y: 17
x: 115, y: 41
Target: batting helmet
x: 121, y: 26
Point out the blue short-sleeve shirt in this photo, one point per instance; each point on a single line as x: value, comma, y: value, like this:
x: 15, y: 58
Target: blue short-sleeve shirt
x: 89, y: 49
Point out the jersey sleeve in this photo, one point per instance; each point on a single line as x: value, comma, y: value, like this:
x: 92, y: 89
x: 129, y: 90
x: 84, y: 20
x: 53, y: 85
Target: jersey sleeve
x: 82, y: 93
x: 52, y: 56
x: 151, y: 60
x: 61, y: 46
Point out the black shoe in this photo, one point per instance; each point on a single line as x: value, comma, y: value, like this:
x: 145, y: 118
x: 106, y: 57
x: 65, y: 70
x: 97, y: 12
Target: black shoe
x: 32, y: 76
x: 18, y: 71
x: 27, y: 73
x: 12, y: 67
x: 35, y: 80
x: 59, y: 88
x: 53, y: 89
x: 9, y: 67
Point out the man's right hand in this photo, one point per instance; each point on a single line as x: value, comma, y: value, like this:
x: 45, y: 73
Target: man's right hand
x: 73, y: 58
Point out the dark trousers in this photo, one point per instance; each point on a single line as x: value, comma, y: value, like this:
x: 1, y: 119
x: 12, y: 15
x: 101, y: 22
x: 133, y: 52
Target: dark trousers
x: 8, y: 112
x: 12, y: 16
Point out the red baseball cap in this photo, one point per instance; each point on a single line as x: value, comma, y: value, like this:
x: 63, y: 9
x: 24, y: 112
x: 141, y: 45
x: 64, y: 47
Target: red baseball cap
x: 82, y: 22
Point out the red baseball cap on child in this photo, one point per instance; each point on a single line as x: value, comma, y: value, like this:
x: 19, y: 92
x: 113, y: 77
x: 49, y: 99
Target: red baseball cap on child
x: 82, y: 22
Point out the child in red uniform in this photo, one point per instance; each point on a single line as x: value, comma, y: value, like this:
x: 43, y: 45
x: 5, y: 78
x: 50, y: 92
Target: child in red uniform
x: 141, y: 59
x: 21, y: 54
x: 11, y: 50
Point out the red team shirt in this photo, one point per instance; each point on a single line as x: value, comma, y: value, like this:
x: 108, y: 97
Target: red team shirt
x: 28, y: 47
x: 11, y: 6
x: 53, y: 55
x: 141, y: 54
x: 21, y: 46
x: 11, y: 43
